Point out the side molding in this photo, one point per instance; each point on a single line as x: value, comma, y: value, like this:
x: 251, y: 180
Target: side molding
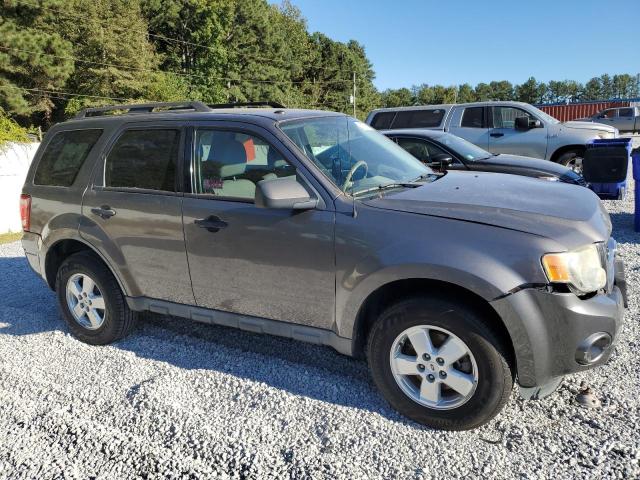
x: 317, y: 336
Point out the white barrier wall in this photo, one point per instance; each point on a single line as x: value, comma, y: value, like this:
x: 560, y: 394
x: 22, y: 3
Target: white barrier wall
x: 15, y: 159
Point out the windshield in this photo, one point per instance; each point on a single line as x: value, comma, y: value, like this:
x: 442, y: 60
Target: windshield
x: 545, y: 117
x: 462, y: 147
x: 354, y: 156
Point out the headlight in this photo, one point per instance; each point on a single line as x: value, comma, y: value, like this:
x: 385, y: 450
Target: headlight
x: 608, y: 134
x: 549, y: 178
x: 580, y: 269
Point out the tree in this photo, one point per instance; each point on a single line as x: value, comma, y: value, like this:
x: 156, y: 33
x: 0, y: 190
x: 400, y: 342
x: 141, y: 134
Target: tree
x: 484, y: 92
x: 593, y: 89
x: 530, y: 91
x: 33, y: 61
x: 400, y: 97
x: 502, y: 90
x: 466, y: 94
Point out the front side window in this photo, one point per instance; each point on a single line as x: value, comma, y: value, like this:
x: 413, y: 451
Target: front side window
x: 143, y: 159
x: 63, y: 157
x: 417, y: 148
x: 473, y: 117
x: 230, y: 164
x: 608, y: 113
x: 505, y: 117
x: 354, y: 156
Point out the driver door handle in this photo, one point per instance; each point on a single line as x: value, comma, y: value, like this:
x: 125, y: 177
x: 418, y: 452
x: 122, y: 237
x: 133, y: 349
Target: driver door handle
x: 211, y: 223
x: 495, y: 135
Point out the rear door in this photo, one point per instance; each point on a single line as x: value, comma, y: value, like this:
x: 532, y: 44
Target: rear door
x: 504, y: 138
x: 268, y: 263
x: 470, y: 123
x: 133, y: 211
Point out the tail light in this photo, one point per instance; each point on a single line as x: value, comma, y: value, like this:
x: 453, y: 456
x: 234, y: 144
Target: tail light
x: 25, y: 211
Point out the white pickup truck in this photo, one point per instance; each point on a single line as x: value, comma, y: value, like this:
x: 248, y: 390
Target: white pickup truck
x: 501, y: 127
x: 625, y: 119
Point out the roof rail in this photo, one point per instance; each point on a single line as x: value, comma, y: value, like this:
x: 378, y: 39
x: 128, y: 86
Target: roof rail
x: 144, y: 108
x: 246, y: 104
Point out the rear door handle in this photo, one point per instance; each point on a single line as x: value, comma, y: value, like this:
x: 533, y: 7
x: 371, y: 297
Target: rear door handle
x: 104, y: 212
x: 495, y: 135
x: 211, y: 223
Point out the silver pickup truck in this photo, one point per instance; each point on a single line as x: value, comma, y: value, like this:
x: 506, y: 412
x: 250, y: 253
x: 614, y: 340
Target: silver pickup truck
x: 501, y: 127
x: 625, y: 119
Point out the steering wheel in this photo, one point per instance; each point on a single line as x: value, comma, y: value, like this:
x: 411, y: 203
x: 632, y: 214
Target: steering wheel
x: 354, y: 169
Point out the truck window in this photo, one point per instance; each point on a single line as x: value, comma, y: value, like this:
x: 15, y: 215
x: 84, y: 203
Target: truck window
x: 382, y: 120
x: 144, y: 159
x: 505, y: 117
x: 473, y: 117
x: 63, y: 157
x: 625, y: 112
x: 419, y: 118
x: 611, y: 113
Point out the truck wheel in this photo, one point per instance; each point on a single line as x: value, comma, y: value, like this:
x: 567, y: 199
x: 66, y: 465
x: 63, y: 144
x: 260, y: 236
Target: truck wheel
x: 573, y: 160
x: 437, y: 362
x: 91, y: 301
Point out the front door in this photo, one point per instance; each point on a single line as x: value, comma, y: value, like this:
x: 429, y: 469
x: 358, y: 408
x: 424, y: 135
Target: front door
x: 504, y: 138
x: 133, y: 212
x: 268, y: 263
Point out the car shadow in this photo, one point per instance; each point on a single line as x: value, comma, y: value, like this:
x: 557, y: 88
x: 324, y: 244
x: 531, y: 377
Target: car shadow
x: 28, y: 307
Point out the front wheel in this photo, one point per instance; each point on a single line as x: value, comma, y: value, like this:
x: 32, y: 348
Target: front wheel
x: 573, y: 160
x: 439, y: 363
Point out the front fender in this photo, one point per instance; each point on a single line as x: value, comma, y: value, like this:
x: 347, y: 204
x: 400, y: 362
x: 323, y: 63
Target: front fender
x: 485, y: 260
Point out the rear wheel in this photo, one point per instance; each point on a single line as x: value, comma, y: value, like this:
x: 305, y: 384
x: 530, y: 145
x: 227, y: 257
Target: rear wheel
x: 91, y: 301
x: 438, y: 363
x: 573, y: 160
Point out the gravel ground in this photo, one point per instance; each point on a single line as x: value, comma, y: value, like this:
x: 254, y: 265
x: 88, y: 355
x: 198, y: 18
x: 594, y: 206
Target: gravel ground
x: 179, y: 399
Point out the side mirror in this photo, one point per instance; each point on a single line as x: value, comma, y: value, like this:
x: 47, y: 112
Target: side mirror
x: 283, y: 193
x: 522, y: 123
x: 442, y: 160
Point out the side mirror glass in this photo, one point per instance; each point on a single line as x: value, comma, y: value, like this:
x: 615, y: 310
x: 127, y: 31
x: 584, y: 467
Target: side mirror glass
x: 283, y: 193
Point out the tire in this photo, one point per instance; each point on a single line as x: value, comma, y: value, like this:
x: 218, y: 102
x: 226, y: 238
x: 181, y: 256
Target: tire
x: 568, y: 159
x: 99, y: 326
x: 488, y: 356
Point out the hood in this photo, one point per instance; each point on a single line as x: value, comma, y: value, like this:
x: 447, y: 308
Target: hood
x: 589, y: 126
x: 570, y: 214
x: 545, y: 166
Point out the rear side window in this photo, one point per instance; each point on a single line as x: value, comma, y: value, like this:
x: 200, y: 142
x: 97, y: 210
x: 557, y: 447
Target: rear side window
x: 383, y: 120
x: 144, y: 159
x: 625, y: 112
x: 63, y: 157
x: 473, y: 117
x: 418, y: 118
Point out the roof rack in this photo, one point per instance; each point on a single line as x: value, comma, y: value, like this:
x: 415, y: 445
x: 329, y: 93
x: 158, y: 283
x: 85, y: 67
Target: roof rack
x: 144, y: 108
x: 246, y: 104
x: 175, y: 107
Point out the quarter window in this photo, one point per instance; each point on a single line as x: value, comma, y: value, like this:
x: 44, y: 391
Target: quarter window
x: 144, y: 159
x: 63, y: 157
x: 473, y: 117
x: 230, y: 164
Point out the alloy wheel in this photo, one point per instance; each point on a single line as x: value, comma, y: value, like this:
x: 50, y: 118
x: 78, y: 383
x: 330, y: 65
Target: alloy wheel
x: 85, y: 301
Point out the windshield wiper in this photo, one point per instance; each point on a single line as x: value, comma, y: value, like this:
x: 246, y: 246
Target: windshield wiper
x: 386, y: 186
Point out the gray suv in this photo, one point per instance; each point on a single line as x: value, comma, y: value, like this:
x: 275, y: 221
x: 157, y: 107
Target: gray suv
x: 312, y: 225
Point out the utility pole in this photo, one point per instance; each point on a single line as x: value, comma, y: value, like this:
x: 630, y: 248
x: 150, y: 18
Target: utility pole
x: 354, y: 94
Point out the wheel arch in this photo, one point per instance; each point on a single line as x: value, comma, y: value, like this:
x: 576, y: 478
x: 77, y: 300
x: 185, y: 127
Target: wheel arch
x: 62, y: 249
x: 566, y: 149
x: 397, y: 290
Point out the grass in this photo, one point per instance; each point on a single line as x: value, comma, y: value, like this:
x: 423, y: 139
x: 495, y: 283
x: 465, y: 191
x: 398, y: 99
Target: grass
x: 10, y: 237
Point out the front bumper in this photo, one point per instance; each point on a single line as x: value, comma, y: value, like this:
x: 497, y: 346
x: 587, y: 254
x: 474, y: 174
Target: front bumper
x: 548, y: 328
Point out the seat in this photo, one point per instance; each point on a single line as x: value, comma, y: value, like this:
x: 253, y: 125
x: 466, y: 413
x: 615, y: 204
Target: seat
x: 226, y: 162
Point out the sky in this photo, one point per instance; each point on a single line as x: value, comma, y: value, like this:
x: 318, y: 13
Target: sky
x: 450, y: 42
